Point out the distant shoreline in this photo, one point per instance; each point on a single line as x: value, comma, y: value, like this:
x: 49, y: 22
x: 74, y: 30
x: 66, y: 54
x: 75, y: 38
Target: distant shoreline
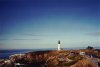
x: 5, y: 53
x: 63, y: 57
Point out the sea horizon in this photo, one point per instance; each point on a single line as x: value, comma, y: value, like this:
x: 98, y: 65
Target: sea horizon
x: 5, y: 53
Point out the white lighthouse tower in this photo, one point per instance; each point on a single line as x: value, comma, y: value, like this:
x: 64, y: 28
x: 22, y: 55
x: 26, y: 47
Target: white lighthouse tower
x: 59, y: 45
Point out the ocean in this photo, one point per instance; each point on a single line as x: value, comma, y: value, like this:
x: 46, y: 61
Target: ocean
x: 4, y: 54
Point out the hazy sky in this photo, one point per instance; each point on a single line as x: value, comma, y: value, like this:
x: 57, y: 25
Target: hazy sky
x: 41, y: 23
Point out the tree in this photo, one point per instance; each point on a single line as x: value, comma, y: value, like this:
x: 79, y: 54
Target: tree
x: 90, y: 47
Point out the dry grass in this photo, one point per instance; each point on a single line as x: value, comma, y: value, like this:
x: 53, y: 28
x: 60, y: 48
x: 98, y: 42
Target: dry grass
x: 41, y: 57
x: 84, y: 63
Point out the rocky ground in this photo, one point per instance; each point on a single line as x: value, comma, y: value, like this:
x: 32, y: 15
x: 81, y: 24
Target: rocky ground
x: 63, y: 58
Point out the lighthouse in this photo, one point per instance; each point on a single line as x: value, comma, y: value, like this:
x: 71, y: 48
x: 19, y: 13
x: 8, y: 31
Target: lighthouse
x: 59, y: 45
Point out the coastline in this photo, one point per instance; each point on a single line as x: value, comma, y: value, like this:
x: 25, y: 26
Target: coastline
x: 44, y: 57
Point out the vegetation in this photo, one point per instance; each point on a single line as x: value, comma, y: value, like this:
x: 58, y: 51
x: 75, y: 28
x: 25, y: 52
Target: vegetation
x: 90, y: 47
x: 63, y: 58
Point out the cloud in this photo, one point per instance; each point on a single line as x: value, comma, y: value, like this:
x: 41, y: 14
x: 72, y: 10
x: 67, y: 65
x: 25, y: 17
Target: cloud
x: 23, y: 34
x: 19, y: 34
x: 3, y: 39
x: 94, y: 34
x: 18, y: 39
x: 25, y: 39
x: 30, y: 35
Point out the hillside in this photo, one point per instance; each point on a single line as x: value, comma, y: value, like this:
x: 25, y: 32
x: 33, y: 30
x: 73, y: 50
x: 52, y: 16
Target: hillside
x: 63, y: 58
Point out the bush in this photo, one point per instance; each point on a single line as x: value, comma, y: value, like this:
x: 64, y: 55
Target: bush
x: 90, y: 48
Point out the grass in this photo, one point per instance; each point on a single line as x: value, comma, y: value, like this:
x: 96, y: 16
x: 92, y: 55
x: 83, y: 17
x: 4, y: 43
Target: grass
x: 51, y: 58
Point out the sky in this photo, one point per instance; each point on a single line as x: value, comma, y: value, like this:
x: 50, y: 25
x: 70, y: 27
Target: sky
x: 30, y: 24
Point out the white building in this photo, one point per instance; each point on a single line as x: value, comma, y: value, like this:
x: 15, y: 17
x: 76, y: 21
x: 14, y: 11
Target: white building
x: 59, y: 45
x: 82, y: 53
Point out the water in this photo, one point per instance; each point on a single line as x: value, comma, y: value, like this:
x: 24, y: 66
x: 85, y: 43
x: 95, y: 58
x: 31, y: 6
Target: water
x: 4, y: 54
